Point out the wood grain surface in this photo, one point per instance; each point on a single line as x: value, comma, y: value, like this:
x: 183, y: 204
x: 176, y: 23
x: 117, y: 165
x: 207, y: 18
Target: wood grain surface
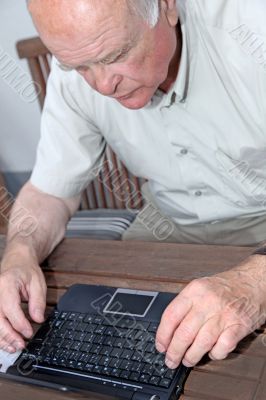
x: 156, y: 266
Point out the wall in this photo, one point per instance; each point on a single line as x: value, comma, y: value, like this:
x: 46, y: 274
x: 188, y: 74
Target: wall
x: 19, y: 113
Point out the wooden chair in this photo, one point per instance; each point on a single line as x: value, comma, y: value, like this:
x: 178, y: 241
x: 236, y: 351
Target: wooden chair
x: 98, y: 193
x: 5, y: 204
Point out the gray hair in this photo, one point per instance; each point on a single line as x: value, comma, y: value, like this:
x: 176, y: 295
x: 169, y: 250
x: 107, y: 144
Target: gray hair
x: 149, y: 10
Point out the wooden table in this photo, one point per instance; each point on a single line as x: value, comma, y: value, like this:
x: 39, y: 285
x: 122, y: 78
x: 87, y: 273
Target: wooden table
x: 155, y: 266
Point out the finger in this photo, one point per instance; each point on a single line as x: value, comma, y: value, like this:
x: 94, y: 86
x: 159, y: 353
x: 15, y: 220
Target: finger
x: 203, y: 343
x: 227, y: 341
x: 9, y: 339
x: 171, y: 318
x: 13, y: 312
x: 37, y: 299
x: 183, y: 338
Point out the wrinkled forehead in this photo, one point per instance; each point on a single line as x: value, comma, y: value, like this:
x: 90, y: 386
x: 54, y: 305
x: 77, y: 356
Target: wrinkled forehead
x: 71, y: 18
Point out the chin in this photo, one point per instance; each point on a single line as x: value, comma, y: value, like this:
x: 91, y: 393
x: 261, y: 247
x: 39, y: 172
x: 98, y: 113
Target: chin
x: 136, y: 101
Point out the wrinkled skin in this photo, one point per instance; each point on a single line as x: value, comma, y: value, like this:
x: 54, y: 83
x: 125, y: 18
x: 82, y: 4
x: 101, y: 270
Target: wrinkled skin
x: 120, y: 56
x: 115, y: 51
x: 211, y: 315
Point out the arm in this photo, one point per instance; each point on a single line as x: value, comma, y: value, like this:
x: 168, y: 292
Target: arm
x: 211, y: 315
x: 27, y: 246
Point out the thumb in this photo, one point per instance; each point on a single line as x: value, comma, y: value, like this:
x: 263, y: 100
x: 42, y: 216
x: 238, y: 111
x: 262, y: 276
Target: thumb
x: 37, y: 300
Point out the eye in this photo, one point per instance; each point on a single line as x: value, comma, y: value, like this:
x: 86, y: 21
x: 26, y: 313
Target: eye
x: 119, y: 58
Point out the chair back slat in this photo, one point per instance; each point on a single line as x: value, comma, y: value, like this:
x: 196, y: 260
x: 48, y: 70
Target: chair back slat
x: 115, y: 186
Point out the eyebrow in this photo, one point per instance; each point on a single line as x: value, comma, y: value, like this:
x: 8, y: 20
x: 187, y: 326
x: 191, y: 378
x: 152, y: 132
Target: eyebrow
x: 110, y: 58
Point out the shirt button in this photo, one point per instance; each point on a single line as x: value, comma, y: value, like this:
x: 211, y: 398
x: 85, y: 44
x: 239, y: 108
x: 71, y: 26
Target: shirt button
x: 184, y: 151
x: 198, y: 193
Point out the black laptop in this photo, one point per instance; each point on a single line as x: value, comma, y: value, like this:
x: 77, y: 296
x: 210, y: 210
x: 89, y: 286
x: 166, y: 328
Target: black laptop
x: 102, y: 339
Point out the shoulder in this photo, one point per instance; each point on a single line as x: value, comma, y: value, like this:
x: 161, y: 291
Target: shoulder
x: 228, y: 14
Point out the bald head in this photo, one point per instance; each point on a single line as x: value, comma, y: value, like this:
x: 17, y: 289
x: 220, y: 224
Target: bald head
x: 120, y: 47
x: 70, y: 17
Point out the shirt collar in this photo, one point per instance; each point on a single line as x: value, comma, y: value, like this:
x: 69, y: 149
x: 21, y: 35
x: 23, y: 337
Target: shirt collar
x: 178, y: 92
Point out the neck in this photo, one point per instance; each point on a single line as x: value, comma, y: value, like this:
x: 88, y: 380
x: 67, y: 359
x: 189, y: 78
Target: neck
x: 174, y: 64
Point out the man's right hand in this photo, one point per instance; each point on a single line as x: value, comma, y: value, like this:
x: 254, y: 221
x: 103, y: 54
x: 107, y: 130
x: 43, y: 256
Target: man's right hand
x: 21, y: 279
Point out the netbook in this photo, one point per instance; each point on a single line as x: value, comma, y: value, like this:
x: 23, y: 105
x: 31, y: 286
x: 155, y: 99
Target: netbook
x: 102, y: 339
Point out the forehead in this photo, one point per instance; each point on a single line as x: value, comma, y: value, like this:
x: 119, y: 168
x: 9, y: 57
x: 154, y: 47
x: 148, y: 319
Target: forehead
x: 78, y: 23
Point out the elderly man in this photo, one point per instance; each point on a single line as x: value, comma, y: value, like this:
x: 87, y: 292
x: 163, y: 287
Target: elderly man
x: 178, y: 91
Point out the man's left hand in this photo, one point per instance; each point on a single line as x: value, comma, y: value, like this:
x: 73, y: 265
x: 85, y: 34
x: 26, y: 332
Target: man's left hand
x: 211, y: 315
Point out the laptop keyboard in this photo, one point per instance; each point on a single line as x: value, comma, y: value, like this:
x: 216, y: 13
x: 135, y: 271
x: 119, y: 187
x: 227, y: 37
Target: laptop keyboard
x: 120, y: 348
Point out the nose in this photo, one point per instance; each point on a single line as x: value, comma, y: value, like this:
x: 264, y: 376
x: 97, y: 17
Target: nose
x: 103, y: 80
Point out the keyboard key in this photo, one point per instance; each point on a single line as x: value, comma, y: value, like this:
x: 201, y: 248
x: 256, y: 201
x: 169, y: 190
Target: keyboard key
x: 150, y: 348
x: 170, y: 373
x: 70, y: 325
x: 134, y: 376
x: 72, y: 316
x: 125, y: 374
x: 95, y: 359
x: 128, y: 323
x: 107, y: 371
x: 88, y: 318
x: 106, y: 351
x: 82, y: 326
x: 105, y: 361
x: 95, y: 349
x: 63, y: 315
x: 137, y: 356
x: 119, y: 343
x: 154, y: 380
x: 115, y: 363
x: 98, y: 319
x: 79, y: 336
x: 144, y: 378
x: 86, y: 347
x: 98, y: 339
x: 116, y: 353
x: 80, y: 365
x: 100, y: 329
x: 127, y: 354
x: 137, y: 367
x: 109, y: 341
x: 97, y: 369
x: 148, y: 369
x: 115, y: 372
x: 70, y: 335
x: 71, y: 363
x: 88, y: 367
x: 90, y: 328
x: 76, y: 345
x: 125, y: 364
x: 109, y: 331
x: 160, y: 371
x: 165, y: 383
x: 89, y: 337
x: 74, y: 355
x: 84, y: 357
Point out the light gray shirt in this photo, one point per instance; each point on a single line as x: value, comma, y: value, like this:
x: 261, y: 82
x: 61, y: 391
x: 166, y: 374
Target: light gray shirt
x: 202, y: 146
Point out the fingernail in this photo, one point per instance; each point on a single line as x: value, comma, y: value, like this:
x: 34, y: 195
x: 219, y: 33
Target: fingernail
x: 11, y: 349
x: 19, y: 345
x: 160, y: 347
x: 38, y: 313
x: 187, y: 364
x: 27, y: 333
x: 170, y: 364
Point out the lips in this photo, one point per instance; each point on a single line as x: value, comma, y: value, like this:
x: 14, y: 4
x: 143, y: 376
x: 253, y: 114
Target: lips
x: 126, y: 96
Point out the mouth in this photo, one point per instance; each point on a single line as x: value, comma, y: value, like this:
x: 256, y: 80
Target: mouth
x: 125, y: 97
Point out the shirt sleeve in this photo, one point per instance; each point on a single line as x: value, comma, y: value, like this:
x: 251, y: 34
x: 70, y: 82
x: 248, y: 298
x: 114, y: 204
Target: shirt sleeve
x: 71, y: 146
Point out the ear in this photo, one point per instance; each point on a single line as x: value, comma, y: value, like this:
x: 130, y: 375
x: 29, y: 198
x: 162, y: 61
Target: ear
x: 169, y: 7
